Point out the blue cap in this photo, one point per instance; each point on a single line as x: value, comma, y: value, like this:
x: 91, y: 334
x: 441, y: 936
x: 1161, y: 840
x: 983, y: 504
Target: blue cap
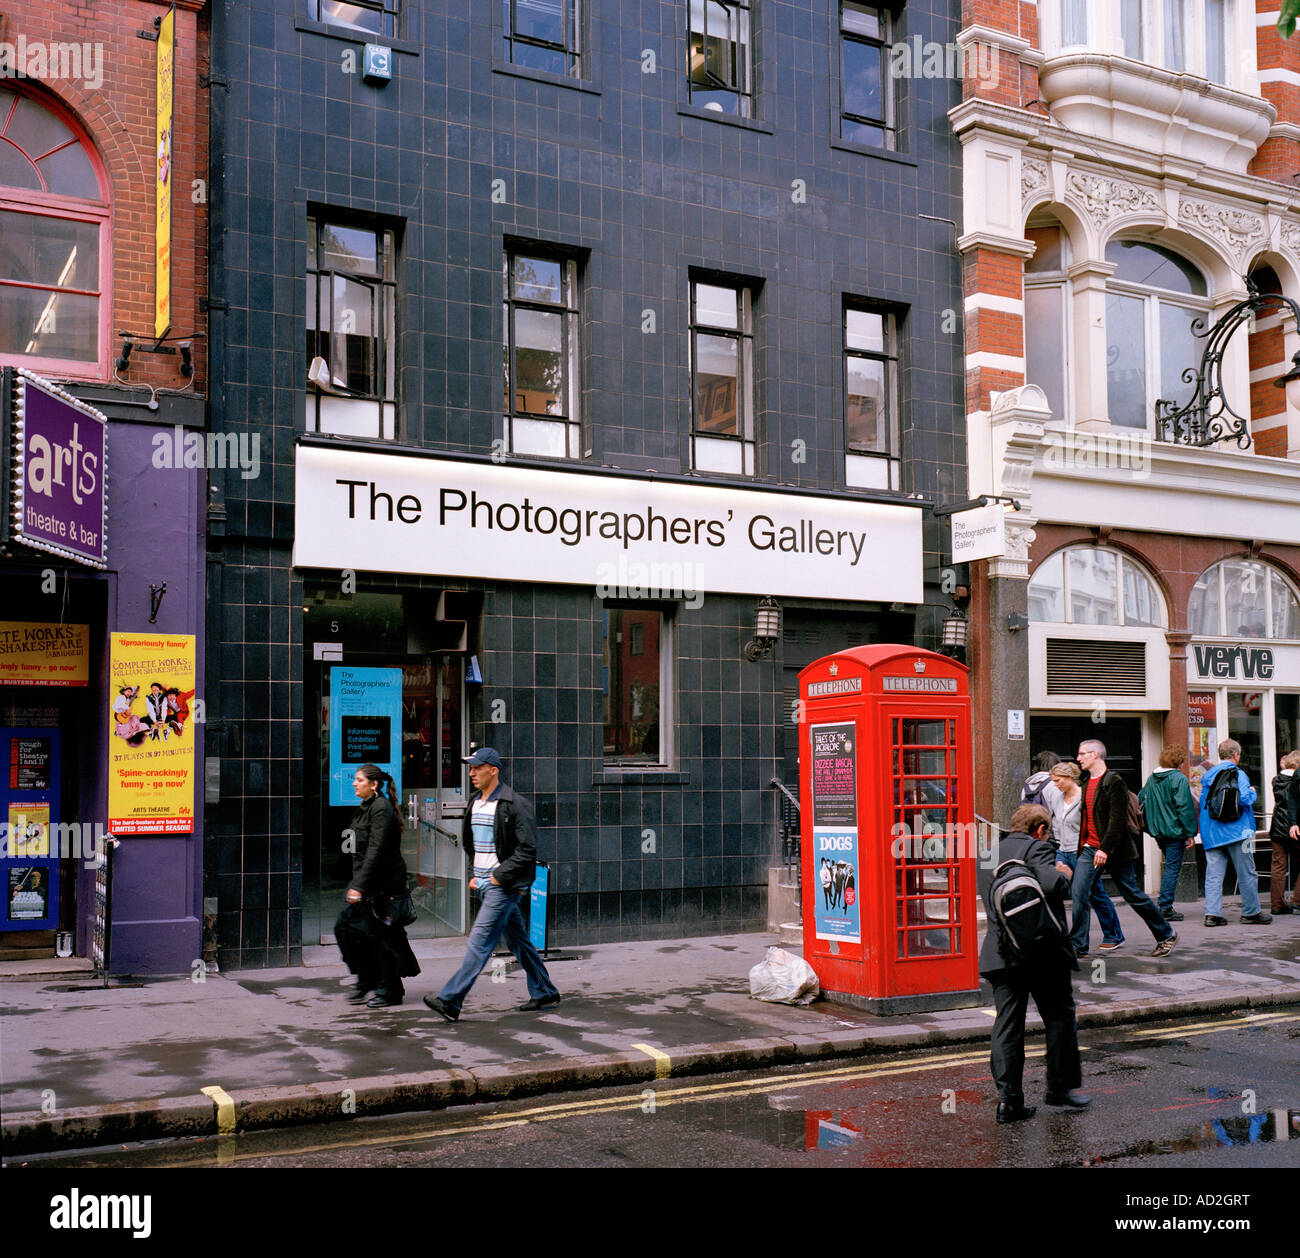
x: 484, y: 755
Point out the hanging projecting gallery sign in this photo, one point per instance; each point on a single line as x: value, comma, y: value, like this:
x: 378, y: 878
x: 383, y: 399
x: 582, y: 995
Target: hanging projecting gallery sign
x: 402, y: 514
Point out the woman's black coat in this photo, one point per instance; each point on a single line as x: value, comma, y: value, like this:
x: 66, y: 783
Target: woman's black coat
x: 377, y: 865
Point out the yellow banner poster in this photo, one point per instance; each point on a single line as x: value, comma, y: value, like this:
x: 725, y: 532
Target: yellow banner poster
x: 44, y: 655
x: 162, y: 318
x: 151, y: 750
x: 29, y: 830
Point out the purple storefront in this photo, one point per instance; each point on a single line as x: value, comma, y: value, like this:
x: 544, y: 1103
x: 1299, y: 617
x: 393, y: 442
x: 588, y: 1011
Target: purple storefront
x: 101, y: 577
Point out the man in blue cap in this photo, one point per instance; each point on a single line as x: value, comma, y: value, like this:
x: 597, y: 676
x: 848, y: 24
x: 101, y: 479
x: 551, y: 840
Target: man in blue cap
x: 500, y: 845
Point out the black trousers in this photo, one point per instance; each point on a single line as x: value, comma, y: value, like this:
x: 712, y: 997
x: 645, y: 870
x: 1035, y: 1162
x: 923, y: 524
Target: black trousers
x: 378, y: 955
x: 1054, y: 998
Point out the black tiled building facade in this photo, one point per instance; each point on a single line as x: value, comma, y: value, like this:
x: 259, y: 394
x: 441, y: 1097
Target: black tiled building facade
x: 374, y: 224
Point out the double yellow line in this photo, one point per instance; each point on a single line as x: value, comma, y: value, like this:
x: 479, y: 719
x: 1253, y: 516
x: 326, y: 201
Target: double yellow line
x: 675, y: 1095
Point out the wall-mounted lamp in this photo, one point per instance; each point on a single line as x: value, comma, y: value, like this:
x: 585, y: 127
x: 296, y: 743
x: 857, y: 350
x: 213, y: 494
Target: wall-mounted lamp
x: 954, y: 633
x: 123, y: 362
x: 187, y: 360
x: 767, y: 629
x: 1016, y: 622
x: 956, y: 626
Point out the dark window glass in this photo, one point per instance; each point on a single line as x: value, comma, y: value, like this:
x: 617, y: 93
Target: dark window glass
x: 866, y: 110
x: 541, y: 34
x: 632, y: 671
x: 368, y: 17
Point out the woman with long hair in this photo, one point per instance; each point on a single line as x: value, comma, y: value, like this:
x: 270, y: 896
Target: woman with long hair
x: 373, y: 942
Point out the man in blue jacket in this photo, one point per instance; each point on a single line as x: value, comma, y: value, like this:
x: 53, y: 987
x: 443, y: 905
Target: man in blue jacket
x: 1225, y: 841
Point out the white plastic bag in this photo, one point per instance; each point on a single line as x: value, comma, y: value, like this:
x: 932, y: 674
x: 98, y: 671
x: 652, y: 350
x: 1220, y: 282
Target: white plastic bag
x: 784, y: 978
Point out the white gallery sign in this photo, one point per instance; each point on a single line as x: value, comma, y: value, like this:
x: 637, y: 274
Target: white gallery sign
x: 398, y: 513
x: 980, y: 533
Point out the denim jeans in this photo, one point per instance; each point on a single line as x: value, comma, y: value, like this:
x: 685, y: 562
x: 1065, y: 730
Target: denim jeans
x: 1098, y: 900
x: 1216, y: 865
x: 1125, y: 875
x: 498, y: 916
x: 1173, y: 849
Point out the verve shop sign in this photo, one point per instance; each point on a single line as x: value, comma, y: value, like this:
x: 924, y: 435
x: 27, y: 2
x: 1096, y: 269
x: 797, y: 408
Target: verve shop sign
x: 1232, y: 662
x: 396, y: 513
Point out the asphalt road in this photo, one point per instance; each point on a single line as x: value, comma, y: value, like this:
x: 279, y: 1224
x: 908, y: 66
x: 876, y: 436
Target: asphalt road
x: 1207, y: 1093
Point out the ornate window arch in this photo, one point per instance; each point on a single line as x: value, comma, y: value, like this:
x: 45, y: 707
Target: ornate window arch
x: 1094, y: 585
x: 54, y: 240
x: 1153, y: 301
x: 1243, y: 598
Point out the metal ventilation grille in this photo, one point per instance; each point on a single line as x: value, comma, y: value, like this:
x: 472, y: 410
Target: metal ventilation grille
x: 1077, y: 666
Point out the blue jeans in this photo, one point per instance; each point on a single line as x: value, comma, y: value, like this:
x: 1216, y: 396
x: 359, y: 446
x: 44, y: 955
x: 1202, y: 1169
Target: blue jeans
x: 499, y: 916
x: 1173, y: 849
x: 1125, y: 875
x: 1098, y: 900
x: 1216, y: 865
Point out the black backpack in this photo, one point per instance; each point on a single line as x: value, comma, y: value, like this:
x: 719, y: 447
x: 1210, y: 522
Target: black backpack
x: 1225, y: 797
x: 1028, y: 928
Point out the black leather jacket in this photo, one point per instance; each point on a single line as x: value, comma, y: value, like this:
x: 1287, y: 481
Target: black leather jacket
x: 377, y: 864
x: 514, y: 835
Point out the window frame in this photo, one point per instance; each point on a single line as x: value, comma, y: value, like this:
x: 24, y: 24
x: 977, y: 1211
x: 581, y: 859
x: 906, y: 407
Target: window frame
x: 891, y: 456
x: 571, y: 50
x: 1105, y: 29
x: 385, y: 341
x: 667, y: 699
x: 888, y: 122
x: 743, y: 335
x: 743, y: 90
x: 1067, y: 598
x: 569, y: 308
x: 1271, y: 571
x: 43, y: 204
x: 389, y: 11
x: 1153, y: 299
x: 1057, y: 280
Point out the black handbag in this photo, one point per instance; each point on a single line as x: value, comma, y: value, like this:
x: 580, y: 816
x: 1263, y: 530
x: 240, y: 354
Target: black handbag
x: 396, y: 910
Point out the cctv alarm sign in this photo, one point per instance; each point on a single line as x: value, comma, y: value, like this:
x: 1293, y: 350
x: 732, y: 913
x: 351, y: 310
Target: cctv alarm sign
x: 409, y: 514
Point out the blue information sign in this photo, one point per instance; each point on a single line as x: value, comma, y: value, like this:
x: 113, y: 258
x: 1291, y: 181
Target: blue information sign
x: 365, y: 727
x: 537, y: 907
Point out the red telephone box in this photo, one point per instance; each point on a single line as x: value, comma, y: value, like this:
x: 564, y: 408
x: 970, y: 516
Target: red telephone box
x: 888, y: 829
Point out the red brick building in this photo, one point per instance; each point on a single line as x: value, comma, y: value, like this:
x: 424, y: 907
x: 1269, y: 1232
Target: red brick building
x: 1124, y: 173
x: 103, y: 274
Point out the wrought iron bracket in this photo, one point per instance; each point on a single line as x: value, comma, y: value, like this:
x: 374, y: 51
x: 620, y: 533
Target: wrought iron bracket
x: 1208, y: 417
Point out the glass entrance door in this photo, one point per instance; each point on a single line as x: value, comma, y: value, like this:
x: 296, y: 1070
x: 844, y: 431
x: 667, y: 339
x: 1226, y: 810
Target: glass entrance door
x: 433, y: 787
x: 432, y: 780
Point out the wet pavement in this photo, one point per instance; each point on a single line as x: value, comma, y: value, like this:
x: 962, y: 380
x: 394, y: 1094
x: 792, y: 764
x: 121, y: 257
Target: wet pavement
x: 1192, y: 1094
x: 70, y: 1050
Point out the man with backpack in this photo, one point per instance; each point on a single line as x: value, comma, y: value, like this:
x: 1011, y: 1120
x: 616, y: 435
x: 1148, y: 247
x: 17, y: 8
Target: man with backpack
x: 1171, y: 820
x: 1107, y: 841
x: 1026, y: 953
x: 1227, y: 823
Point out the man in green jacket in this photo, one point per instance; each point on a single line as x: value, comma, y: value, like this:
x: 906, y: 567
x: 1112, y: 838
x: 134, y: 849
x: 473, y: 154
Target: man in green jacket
x: 1171, y: 820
